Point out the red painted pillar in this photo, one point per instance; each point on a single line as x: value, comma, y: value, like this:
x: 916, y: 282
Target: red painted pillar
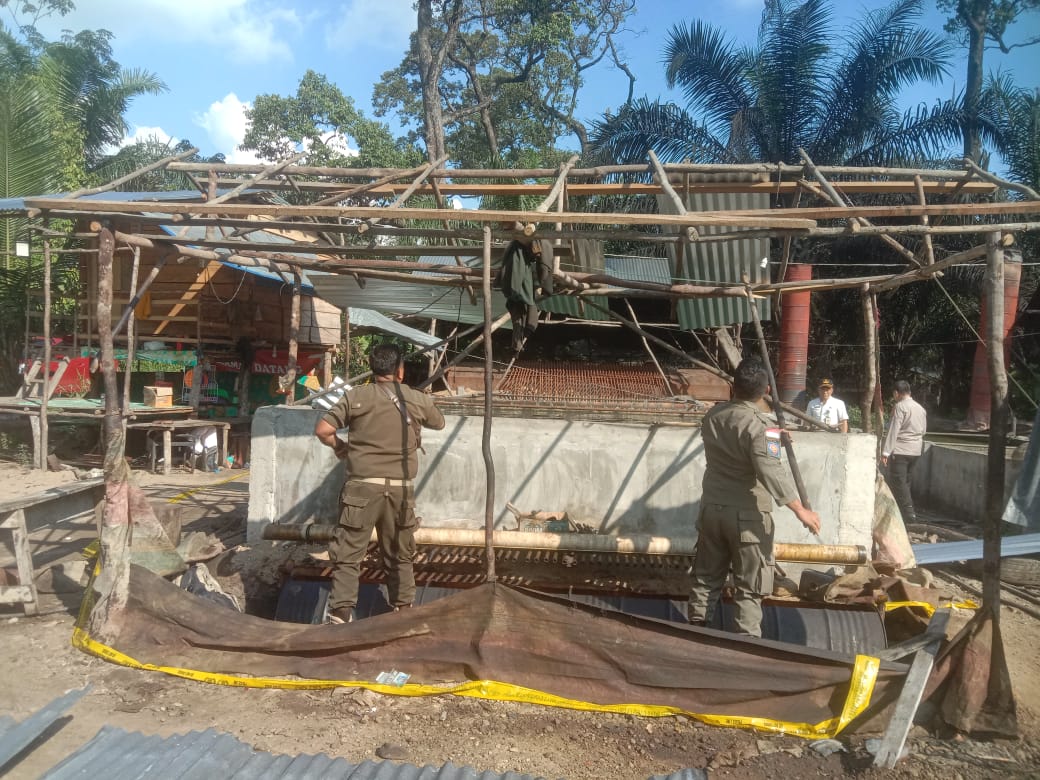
x: 978, y: 409
x: 794, y: 335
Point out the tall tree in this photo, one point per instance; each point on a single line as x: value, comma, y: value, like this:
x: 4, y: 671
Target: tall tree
x: 793, y: 89
x: 492, y: 81
x: 325, y: 122
x: 975, y: 22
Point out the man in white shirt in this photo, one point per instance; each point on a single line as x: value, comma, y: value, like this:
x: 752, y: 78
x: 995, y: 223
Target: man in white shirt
x: 828, y: 409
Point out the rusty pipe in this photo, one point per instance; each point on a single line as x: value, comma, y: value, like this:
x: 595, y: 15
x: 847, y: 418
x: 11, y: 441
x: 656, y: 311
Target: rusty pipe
x: 643, y: 544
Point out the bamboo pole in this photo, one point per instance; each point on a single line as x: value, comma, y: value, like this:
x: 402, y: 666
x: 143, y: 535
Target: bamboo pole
x: 45, y: 401
x: 485, y: 439
x: 835, y: 198
x: 626, y: 544
x: 995, y: 463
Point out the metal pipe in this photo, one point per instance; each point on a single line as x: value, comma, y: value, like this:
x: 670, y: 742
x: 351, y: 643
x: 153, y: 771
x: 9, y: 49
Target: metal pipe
x: 642, y: 544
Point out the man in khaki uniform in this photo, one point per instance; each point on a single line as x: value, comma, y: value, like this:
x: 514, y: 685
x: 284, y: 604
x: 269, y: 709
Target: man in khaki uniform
x: 383, y: 422
x: 744, y: 475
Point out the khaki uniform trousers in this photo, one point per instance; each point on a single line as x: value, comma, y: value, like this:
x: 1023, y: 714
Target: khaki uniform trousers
x: 390, y: 509
x: 741, y: 539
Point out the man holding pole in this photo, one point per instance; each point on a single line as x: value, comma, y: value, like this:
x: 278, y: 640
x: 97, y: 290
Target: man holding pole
x: 744, y: 475
x: 383, y: 421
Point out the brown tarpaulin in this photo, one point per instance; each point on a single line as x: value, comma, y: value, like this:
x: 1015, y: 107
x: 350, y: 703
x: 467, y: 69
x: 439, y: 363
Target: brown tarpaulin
x: 494, y: 632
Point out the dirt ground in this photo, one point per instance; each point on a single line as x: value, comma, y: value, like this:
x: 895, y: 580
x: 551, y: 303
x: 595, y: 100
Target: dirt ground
x: 39, y: 663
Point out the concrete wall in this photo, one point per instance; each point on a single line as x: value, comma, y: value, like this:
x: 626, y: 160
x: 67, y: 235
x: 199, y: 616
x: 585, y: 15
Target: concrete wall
x: 618, y: 478
x: 952, y: 481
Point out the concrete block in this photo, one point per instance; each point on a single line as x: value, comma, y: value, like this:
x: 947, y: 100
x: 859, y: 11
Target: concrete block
x: 618, y: 478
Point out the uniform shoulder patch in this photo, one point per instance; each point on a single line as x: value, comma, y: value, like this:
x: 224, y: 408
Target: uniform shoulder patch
x: 773, y: 442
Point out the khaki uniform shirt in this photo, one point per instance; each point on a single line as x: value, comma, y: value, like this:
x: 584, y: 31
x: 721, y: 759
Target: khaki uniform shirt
x: 906, y: 430
x: 742, y: 447
x: 380, y: 443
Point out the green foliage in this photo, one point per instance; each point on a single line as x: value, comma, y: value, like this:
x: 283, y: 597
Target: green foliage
x: 993, y: 16
x: 61, y: 104
x: 511, y: 80
x: 793, y: 89
x: 322, y: 120
x: 142, y: 153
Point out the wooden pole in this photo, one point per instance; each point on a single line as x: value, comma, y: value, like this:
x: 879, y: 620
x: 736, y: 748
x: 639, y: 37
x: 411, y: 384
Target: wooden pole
x: 289, y: 380
x: 869, y: 335
x: 130, y: 337
x: 495, y: 325
x: 485, y: 440
x: 42, y: 453
x: 650, y: 352
x: 796, y: 472
x: 997, y: 427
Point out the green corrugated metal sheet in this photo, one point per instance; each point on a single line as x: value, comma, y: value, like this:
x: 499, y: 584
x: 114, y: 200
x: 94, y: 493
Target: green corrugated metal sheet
x: 720, y: 261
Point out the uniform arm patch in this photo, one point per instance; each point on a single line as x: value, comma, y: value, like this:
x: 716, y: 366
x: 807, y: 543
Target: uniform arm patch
x: 773, y: 442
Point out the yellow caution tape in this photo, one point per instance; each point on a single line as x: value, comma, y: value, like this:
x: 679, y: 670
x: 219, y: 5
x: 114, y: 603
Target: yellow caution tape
x: 190, y: 493
x: 929, y: 609
x: 861, y: 683
x: 864, y: 675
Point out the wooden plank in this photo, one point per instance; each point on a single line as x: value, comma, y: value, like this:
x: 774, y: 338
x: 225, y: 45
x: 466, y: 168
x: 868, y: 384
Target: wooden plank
x: 190, y: 294
x: 50, y: 494
x: 910, y: 697
x: 752, y: 218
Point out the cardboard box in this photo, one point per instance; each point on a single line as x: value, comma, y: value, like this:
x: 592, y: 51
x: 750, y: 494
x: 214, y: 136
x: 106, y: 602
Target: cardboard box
x: 159, y: 397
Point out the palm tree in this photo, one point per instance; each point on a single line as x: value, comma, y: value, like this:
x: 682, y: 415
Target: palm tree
x: 61, y: 105
x: 793, y: 89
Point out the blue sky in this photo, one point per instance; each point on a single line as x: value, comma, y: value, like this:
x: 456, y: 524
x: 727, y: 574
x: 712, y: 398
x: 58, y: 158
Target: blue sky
x: 217, y: 55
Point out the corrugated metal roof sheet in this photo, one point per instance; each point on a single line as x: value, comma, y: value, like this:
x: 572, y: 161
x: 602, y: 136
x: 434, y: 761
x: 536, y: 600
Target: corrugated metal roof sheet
x: 719, y: 261
x: 15, y: 737
x: 368, y: 318
x: 120, y: 755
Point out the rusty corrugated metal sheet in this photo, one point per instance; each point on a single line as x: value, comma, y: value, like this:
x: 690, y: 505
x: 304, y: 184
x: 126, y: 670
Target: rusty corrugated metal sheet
x: 721, y: 261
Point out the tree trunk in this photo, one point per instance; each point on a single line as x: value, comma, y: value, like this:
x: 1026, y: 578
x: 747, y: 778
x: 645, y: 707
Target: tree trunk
x: 431, y: 64
x: 976, y: 25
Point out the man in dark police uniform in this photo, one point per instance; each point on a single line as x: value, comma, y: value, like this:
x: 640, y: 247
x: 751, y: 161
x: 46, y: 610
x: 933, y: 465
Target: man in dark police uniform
x: 743, y: 477
x: 383, y: 421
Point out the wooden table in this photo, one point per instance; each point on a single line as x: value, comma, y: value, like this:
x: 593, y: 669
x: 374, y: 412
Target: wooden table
x: 25, y: 514
x: 168, y: 427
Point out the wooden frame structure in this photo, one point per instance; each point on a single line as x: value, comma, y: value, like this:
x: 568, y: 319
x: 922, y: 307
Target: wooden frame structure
x: 355, y: 237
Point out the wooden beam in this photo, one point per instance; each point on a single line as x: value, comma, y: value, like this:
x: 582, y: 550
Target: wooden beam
x: 792, y: 219
x: 190, y: 293
x: 268, y: 171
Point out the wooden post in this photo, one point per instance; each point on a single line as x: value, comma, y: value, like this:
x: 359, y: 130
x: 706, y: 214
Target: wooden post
x: 650, y: 352
x: 796, y: 472
x: 346, y: 342
x: 997, y: 428
x: 113, y: 583
x: 42, y: 451
x: 130, y: 336
x: 869, y: 335
x: 289, y: 380
x: 485, y: 441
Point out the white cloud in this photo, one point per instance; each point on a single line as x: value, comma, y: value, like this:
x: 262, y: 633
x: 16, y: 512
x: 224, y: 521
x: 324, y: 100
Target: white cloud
x: 225, y: 122
x: 382, y: 24
x: 149, y: 134
x: 247, y: 31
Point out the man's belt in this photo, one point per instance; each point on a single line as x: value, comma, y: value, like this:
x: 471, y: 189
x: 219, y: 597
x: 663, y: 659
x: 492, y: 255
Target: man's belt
x: 383, y: 481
